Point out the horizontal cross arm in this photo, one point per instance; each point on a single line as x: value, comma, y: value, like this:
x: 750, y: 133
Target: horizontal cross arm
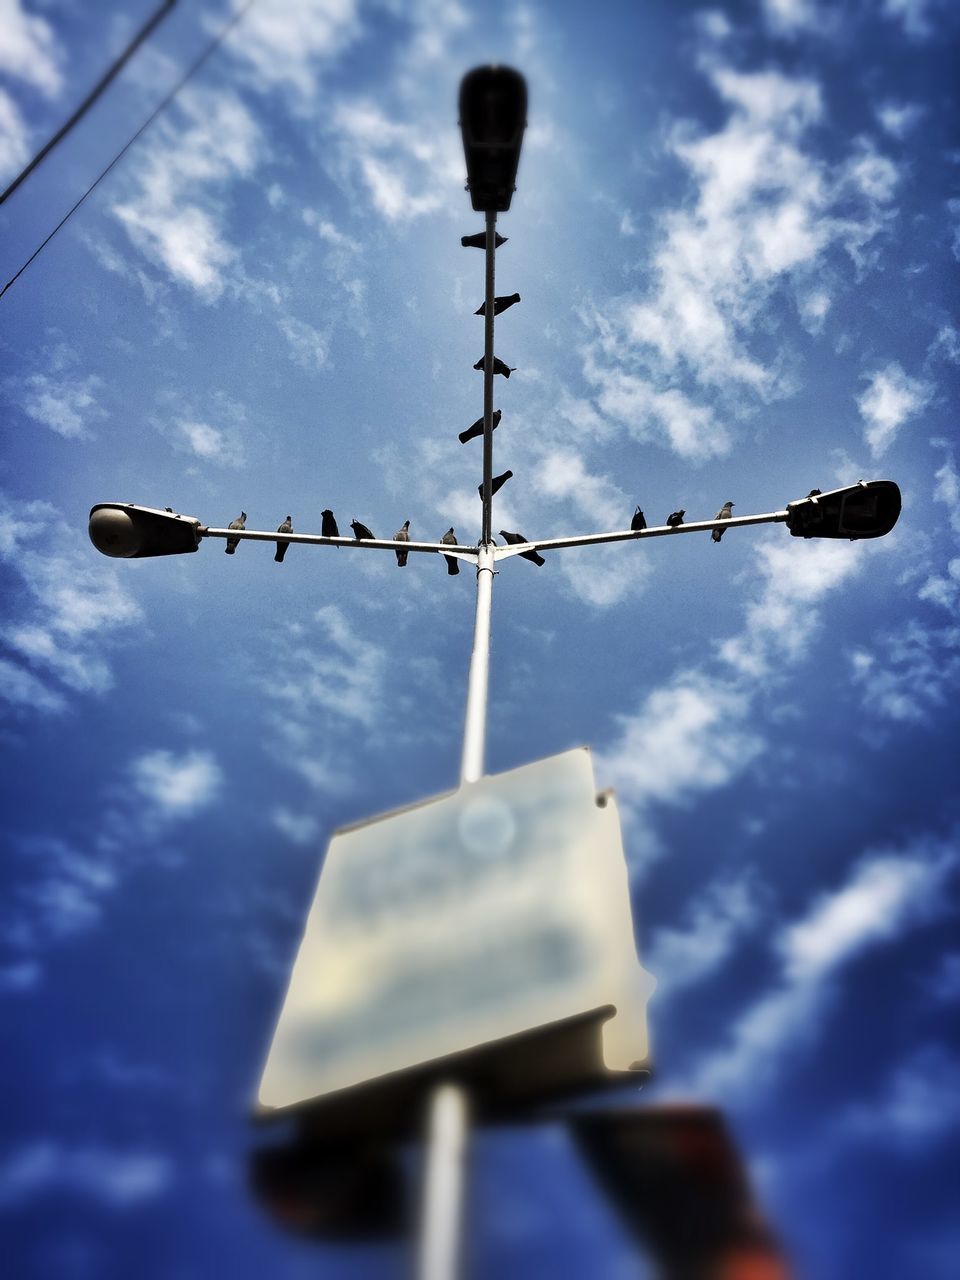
x: 316, y: 539
x: 631, y: 535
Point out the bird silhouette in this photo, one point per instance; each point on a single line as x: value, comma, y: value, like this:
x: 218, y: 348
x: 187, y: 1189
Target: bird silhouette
x: 471, y: 433
x: 402, y: 535
x: 499, y: 304
x: 514, y: 539
x: 450, y: 540
x: 496, y: 483
x: 676, y: 518
x: 360, y: 531
x: 725, y: 512
x: 479, y: 241
x: 285, y: 527
x: 328, y: 525
x: 638, y: 521
x: 233, y: 543
x: 498, y: 367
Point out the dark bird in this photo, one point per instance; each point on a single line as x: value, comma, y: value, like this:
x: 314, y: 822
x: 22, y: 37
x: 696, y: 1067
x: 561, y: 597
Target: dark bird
x: 498, y: 367
x: 450, y: 540
x: 814, y: 493
x: 496, y: 483
x: 471, y: 433
x: 638, y: 521
x: 499, y: 304
x: 676, y: 518
x: 286, y: 527
x: 328, y: 524
x: 725, y: 512
x: 514, y: 539
x: 233, y: 543
x: 360, y: 531
x: 402, y: 535
x: 479, y: 241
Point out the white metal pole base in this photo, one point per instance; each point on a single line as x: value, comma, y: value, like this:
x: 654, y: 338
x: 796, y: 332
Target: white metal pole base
x: 442, y: 1208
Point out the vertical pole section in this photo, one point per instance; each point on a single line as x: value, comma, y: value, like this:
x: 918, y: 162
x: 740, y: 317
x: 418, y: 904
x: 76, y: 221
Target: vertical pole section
x: 442, y: 1207
x: 475, y: 726
x: 487, y: 495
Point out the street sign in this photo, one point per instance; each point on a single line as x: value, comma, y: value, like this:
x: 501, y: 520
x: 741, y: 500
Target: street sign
x: 476, y: 928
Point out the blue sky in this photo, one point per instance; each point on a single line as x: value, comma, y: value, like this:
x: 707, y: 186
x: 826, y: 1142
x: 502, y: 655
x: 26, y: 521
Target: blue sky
x: 736, y: 236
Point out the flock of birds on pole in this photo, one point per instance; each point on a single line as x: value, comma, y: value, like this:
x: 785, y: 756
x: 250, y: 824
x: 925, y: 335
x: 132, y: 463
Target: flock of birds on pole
x: 362, y: 532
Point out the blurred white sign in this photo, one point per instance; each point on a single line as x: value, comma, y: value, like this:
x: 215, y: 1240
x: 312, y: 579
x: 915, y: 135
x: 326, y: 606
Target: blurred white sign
x: 500, y: 908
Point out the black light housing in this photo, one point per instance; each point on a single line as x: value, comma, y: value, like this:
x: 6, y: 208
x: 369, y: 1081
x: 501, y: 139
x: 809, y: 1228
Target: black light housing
x: 129, y: 532
x: 867, y: 509
x: 493, y: 116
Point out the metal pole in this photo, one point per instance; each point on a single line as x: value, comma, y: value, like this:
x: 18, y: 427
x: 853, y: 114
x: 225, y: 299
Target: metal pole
x: 488, y: 318
x: 442, y: 1207
x: 475, y: 724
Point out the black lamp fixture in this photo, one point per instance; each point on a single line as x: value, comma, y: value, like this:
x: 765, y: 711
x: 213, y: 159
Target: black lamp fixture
x: 493, y: 116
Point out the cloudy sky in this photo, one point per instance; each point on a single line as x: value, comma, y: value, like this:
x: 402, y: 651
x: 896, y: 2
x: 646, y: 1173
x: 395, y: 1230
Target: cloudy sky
x: 736, y: 236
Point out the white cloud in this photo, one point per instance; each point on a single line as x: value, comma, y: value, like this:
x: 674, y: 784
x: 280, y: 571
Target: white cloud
x: 65, y: 405
x: 791, y: 17
x: 28, y: 49
x: 19, y: 978
x: 174, y: 218
x: 408, y: 170
x: 781, y: 620
x: 285, y: 44
x: 119, y: 1179
x: 913, y: 673
x: 66, y: 613
x: 337, y: 671
x: 14, y: 138
x: 209, y: 443
x: 886, y: 894
x: 177, y: 786
x: 918, y: 1108
x: 900, y: 118
x: 687, y: 737
x: 915, y: 16
x: 300, y: 828
x: 713, y: 925
x: 309, y: 346
x: 763, y: 212
x: 947, y: 490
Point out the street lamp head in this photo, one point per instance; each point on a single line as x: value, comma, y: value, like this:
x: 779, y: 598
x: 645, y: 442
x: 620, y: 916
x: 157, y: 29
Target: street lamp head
x: 129, y: 532
x: 867, y: 509
x: 493, y: 116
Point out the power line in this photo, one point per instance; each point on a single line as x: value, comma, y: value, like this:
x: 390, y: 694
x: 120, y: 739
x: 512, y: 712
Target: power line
x: 165, y: 102
x: 158, y: 15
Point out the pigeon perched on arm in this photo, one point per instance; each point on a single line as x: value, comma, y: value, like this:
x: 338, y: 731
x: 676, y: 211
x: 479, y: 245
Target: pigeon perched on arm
x: 638, y: 521
x: 725, y: 512
x: 233, y: 543
x: 499, y: 304
x: 479, y: 241
x: 286, y: 527
x: 328, y: 525
x: 676, y: 518
x: 514, y: 539
x: 496, y: 483
x: 471, y: 433
x: 450, y: 540
x: 402, y: 535
x: 360, y: 531
x: 498, y: 366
